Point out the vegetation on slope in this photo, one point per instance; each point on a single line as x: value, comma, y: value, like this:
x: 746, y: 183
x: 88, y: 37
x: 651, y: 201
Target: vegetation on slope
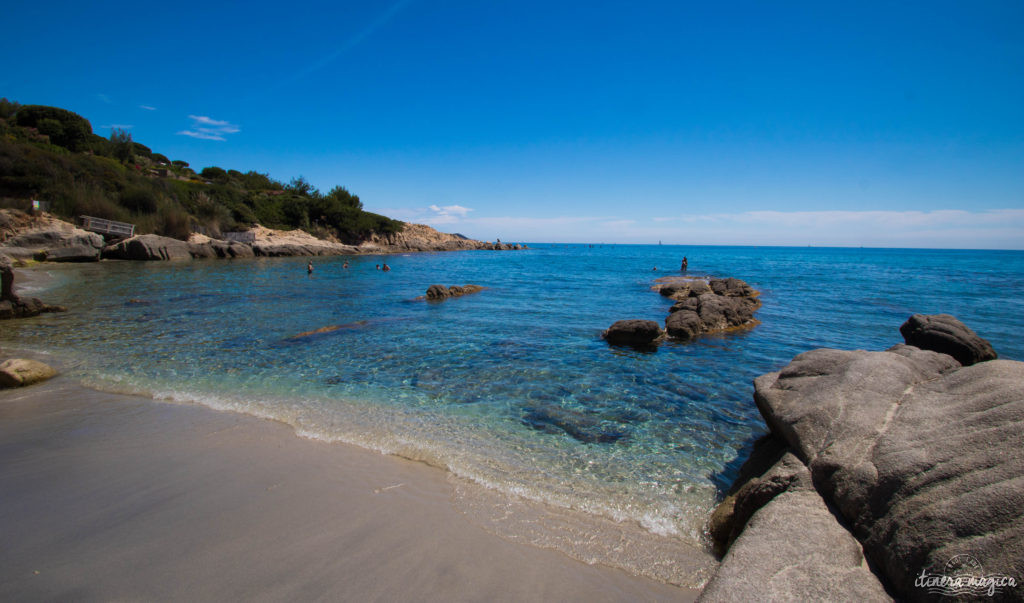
x: 52, y: 154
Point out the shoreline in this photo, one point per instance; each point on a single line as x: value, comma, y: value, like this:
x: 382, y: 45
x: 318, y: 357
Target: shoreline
x: 249, y: 508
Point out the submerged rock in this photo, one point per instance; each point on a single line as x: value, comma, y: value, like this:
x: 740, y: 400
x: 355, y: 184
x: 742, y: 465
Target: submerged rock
x: 581, y: 425
x: 945, y: 334
x: 18, y: 372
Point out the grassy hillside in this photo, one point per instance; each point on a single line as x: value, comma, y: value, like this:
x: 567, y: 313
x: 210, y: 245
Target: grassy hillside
x: 52, y: 154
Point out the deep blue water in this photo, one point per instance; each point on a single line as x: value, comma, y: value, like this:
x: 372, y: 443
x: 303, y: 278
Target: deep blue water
x: 512, y: 387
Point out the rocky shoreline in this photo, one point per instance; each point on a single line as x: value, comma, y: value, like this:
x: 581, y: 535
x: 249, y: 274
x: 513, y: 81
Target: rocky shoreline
x: 46, y: 238
x: 895, y: 474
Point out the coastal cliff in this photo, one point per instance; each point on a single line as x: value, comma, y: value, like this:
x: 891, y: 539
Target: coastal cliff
x: 46, y: 238
x: 886, y: 474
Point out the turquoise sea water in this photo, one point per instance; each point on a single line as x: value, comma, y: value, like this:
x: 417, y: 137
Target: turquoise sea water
x: 511, y: 388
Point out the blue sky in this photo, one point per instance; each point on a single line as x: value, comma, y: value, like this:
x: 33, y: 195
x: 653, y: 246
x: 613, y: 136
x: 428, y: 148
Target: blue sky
x: 896, y: 124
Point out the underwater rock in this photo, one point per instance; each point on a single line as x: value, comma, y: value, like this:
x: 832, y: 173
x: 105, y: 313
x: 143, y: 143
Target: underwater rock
x: 583, y: 426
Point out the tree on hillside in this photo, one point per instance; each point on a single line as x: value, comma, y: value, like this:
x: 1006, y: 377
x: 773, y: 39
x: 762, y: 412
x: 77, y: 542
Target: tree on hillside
x: 302, y: 186
x: 214, y: 174
x: 7, y: 108
x: 75, y: 132
x: 121, y: 145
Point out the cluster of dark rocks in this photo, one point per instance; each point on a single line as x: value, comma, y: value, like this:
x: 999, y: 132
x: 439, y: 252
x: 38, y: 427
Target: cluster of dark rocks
x: 14, y: 306
x: 701, y: 306
x: 883, y: 472
x: 440, y: 292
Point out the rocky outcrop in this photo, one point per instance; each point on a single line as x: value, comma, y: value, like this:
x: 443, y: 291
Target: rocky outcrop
x: 707, y: 306
x: 420, y: 237
x: 18, y: 372
x: 45, y: 238
x: 440, y: 292
x: 268, y: 242
x: 945, y: 334
x: 201, y: 246
x: 921, y: 459
x: 148, y: 247
x: 13, y: 306
x: 636, y: 333
x: 793, y: 549
x: 74, y: 253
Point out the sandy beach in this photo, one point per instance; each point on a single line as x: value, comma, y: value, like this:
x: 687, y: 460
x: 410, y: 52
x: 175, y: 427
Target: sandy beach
x: 112, y: 497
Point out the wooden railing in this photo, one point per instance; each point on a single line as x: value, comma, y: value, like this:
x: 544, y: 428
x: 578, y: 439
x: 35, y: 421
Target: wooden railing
x: 107, y: 227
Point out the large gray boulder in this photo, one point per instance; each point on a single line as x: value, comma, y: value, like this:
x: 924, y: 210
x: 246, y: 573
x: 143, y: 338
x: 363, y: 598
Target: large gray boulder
x: 923, y: 459
x: 220, y: 249
x: 945, y: 334
x: 62, y: 235
x: 794, y: 549
x: 74, y: 253
x: 149, y: 247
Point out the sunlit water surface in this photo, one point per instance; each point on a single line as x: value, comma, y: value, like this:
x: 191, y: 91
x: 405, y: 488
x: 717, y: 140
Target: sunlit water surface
x: 510, y: 389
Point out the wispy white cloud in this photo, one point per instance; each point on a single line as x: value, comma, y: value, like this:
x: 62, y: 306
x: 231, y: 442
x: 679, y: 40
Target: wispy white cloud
x: 118, y: 126
x: 103, y: 98
x: 206, y: 128
x: 147, y: 107
x: 449, y: 214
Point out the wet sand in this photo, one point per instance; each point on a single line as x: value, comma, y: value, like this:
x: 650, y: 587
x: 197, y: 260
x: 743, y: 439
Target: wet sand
x: 111, y: 497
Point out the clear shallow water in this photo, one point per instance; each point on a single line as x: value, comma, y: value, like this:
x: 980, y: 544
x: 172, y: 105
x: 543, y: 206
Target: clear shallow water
x: 511, y: 388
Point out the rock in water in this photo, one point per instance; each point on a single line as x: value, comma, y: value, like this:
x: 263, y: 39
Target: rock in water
x: 632, y: 332
x: 945, y: 334
x: 440, y: 292
x: 18, y: 372
x: 923, y: 459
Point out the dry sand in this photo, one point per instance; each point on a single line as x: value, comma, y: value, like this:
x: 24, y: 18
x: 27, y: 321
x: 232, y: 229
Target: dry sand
x: 110, y: 497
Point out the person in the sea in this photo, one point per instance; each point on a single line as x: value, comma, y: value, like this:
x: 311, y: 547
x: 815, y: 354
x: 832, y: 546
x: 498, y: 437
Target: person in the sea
x: 378, y: 266
x: 386, y: 268
x: 684, y: 265
x: 309, y: 268
x: 345, y: 265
